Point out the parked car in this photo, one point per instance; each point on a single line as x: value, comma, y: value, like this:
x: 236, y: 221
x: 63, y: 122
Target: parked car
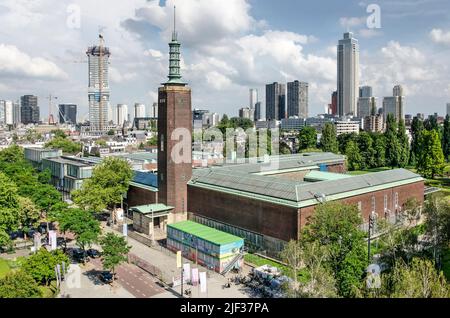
x: 93, y: 253
x: 79, y: 255
x: 106, y: 277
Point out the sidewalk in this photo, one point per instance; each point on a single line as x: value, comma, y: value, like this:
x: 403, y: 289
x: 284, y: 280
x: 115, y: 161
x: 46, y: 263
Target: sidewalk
x: 166, y: 262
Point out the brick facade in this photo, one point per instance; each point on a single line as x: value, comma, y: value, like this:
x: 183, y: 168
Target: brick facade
x: 258, y: 216
x: 283, y: 222
x: 174, y: 112
x: 137, y: 196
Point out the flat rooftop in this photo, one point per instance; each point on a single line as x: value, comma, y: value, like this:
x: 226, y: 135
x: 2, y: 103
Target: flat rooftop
x: 205, y: 233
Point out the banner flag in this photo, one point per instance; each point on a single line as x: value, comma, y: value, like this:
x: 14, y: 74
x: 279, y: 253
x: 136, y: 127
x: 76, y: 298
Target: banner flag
x: 203, y: 282
x: 194, y: 279
x: 179, y: 259
x: 187, y: 271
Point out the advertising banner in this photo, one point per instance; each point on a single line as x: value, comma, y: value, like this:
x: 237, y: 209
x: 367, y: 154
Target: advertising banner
x: 203, y: 282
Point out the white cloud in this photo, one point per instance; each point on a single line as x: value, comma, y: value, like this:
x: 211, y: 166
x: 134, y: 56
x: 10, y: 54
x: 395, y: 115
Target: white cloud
x: 14, y: 62
x: 352, y: 22
x: 117, y: 77
x: 153, y: 53
x: 440, y: 36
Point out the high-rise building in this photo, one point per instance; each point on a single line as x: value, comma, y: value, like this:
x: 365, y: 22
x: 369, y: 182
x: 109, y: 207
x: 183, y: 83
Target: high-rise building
x: 2, y: 112
x: 366, y: 102
x: 139, y: 110
x: 9, y: 112
x: 122, y: 114
x: 199, y: 118
x: 174, y: 118
x: 153, y: 111
x: 448, y: 109
x: 374, y: 123
x: 297, y: 99
x: 394, y: 104
x: 29, y: 109
x: 67, y: 113
x: 333, y: 106
x: 275, y: 101
x: 347, y: 75
x: 246, y: 113
x: 98, y: 92
x: 16, y: 113
x: 253, y: 98
x: 365, y: 91
x: 257, y: 113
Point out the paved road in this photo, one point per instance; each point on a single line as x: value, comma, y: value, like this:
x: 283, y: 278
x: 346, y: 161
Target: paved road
x: 135, y: 280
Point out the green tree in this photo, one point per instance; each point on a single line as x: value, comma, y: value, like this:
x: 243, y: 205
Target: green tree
x: 110, y: 132
x: 446, y: 138
x: 115, y: 250
x: 366, y: 150
x: 66, y: 145
x: 9, y: 209
x: 431, y: 123
x: 420, y: 279
x: 28, y: 214
x: 392, y: 143
x: 380, y: 149
x: 344, y: 139
x: 292, y: 256
x: 431, y: 158
x: 153, y: 141
x: 437, y: 224
x: 19, y: 284
x: 336, y: 226
x: 41, y: 266
x: 328, y: 141
x: 354, y: 159
x: 109, y: 182
x: 416, y: 130
x: 59, y: 133
x: 307, y: 138
x: 403, y: 145
x: 81, y: 223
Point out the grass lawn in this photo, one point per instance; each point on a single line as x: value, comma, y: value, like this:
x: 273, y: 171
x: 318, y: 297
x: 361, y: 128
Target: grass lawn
x: 260, y: 261
x: 4, y: 267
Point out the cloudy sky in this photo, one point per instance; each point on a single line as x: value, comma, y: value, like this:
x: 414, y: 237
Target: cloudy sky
x: 228, y: 47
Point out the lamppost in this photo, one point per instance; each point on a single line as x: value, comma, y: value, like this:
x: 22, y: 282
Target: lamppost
x: 371, y: 226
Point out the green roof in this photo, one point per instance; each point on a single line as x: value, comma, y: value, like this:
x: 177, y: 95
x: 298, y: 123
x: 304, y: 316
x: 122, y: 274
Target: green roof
x: 205, y: 233
x: 149, y: 208
x: 322, y: 176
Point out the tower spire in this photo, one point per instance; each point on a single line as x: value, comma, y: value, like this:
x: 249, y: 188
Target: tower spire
x: 174, y: 57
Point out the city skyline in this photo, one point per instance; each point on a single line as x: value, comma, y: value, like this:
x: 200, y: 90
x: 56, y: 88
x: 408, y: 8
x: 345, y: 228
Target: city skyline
x: 220, y: 59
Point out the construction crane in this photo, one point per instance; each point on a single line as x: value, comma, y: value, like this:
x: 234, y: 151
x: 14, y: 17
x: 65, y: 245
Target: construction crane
x: 51, y: 119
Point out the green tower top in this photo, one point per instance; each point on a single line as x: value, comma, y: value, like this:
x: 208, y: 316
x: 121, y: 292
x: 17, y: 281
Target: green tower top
x: 174, y: 59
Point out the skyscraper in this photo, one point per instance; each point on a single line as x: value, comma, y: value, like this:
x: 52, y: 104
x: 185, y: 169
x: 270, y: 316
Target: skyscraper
x: 297, y: 99
x: 153, y: 111
x: 253, y: 98
x: 365, y: 91
x: 174, y: 119
x: 366, y: 102
x: 333, y: 105
x: 347, y: 75
x: 275, y: 101
x: 139, y: 110
x: 257, y: 114
x: 98, y: 93
x: 394, y: 104
x: 29, y: 109
x: 67, y: 113
x: 121, y: 114
x: 2, y: 112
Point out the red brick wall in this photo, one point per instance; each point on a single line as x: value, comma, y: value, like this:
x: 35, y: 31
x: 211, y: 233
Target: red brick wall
x: 404, y: 193
x: 258, y: 216
x: 174, y: 111
x: 337, y: 168
x: 138, y: 196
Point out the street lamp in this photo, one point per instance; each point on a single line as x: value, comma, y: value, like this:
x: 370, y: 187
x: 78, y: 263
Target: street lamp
x: 371, y: 226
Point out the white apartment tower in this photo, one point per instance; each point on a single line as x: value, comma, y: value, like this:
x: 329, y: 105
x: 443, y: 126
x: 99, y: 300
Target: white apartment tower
x: 122, y: 114
x: 253, y: 97
x: 98, y: 92
x: 139, y: 110
x: 347, y: 75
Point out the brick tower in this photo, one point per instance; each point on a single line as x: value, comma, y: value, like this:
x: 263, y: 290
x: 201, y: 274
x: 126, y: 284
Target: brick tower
x: 174, y: 130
